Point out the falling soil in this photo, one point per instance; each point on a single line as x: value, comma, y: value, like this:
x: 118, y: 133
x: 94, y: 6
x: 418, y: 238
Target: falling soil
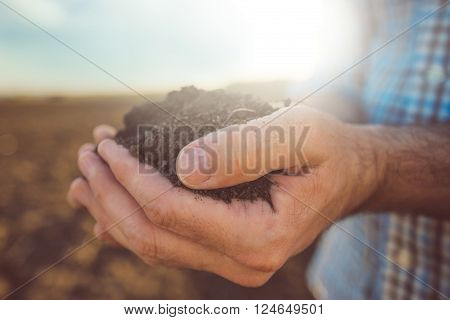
x: 156, y: 136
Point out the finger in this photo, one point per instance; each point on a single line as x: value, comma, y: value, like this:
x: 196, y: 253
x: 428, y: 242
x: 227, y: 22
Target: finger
x: 103, y: 132
x: 73, y: 190
x: 86, y: 147
x: 242, y: 153
x: 157, y: 245
x: 81, y: 193
x: 210, y: 222
x: 124, y: 216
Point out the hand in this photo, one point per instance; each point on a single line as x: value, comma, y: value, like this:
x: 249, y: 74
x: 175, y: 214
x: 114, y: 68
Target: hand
x: 245, y: 242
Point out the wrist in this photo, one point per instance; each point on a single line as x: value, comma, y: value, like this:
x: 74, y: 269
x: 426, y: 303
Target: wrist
x: 370, y: 161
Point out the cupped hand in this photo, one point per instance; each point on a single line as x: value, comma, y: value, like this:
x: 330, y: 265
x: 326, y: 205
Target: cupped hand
x: 330, y: 175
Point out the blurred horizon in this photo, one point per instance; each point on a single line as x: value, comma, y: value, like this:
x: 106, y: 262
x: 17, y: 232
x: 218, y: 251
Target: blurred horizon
x: 270, y: 91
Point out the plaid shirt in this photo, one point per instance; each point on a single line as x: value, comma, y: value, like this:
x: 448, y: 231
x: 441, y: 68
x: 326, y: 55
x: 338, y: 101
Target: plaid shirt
x: 407, y: 82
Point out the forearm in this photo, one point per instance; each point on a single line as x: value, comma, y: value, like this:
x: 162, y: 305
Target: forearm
x: 412, y: 168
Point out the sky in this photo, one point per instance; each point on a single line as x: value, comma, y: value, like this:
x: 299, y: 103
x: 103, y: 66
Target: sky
x: 155, y: 45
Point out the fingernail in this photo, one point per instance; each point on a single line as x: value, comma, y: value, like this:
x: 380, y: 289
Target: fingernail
x: 193, y: 166
x: 105, y: 147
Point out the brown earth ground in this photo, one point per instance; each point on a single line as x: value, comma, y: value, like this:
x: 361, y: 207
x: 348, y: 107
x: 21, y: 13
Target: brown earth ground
x: 39, y: 138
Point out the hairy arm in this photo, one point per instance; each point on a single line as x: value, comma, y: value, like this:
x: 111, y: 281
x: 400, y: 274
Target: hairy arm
x: 412, y: 168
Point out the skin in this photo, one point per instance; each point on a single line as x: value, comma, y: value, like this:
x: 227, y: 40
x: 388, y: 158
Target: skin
x: 351, y: 167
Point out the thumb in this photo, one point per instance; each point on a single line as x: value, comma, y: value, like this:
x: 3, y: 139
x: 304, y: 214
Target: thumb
x: 242, y: 153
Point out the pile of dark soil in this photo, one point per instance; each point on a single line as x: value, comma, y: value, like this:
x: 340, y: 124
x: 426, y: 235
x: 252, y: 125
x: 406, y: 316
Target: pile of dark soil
x: 156, y: 137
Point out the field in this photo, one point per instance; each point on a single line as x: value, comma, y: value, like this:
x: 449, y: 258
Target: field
x: 39, y: 138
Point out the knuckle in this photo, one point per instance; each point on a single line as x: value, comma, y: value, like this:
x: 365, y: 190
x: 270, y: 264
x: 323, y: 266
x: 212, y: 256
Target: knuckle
x: 144, y: 247
x: 100, y: 194
x: 159, y: 214
x: 154, y: 214
x: 137, y: 188
x: 267, y: 255
x: 255, y: 281
x: 265, y: 261
x: 140, y: 247
x: 269, y: 263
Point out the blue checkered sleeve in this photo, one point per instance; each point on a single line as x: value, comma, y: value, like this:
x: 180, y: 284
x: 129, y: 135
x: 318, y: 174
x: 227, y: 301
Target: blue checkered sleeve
x: 401, y: 256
